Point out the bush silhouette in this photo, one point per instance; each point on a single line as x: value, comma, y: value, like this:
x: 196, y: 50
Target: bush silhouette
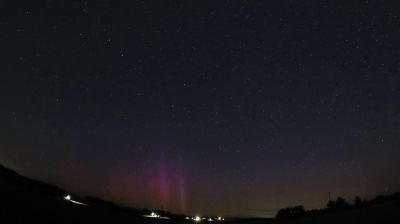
x: 331, y: 204
x: 340, y: 203
x: 291, y: 212
x: 357, y: 201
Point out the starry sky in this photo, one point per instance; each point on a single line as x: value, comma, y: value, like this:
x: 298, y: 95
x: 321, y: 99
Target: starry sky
x: 203, y: 107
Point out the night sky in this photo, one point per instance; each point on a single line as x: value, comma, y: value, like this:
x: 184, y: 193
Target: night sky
x: 203, y: 107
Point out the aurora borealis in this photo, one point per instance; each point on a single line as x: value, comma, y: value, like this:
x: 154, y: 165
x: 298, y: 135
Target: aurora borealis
x: 232, y: 108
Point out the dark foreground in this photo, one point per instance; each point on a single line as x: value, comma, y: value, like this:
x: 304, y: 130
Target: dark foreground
x: 23, y: 200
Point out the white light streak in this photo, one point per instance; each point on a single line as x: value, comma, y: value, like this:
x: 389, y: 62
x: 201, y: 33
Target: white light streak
x: 68, y: 198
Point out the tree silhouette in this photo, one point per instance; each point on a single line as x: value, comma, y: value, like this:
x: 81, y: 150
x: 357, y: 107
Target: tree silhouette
x: 291, y: 212
x: 341, y: 203
x: 357, y: 201
x: 331, y: 204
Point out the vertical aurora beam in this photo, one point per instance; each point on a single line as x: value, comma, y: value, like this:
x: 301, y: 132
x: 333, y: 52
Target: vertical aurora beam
x: 181, y: 187
x: 167, y: 183
x: 162, y: 182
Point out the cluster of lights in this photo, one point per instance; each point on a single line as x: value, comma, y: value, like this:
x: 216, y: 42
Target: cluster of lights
x: 198, y: 219
x: 155, y: 215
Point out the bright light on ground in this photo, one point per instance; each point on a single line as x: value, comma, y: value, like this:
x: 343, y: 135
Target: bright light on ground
x: 210, y: 219
x: 155, y: 215
x: 68, y: 198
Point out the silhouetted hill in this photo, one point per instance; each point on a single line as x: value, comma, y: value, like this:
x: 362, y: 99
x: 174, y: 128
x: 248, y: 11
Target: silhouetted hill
x: 12, y: 181
x: 23, y: 200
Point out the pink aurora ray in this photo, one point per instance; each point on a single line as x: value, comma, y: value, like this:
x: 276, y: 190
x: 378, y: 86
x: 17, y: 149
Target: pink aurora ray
x: 168, y: 185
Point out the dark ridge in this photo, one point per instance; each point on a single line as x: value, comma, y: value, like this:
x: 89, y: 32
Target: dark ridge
x: 387, y: 207
x: 24, y: 200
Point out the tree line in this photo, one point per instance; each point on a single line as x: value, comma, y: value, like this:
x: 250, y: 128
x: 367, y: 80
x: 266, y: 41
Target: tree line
x: 340, y: 204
